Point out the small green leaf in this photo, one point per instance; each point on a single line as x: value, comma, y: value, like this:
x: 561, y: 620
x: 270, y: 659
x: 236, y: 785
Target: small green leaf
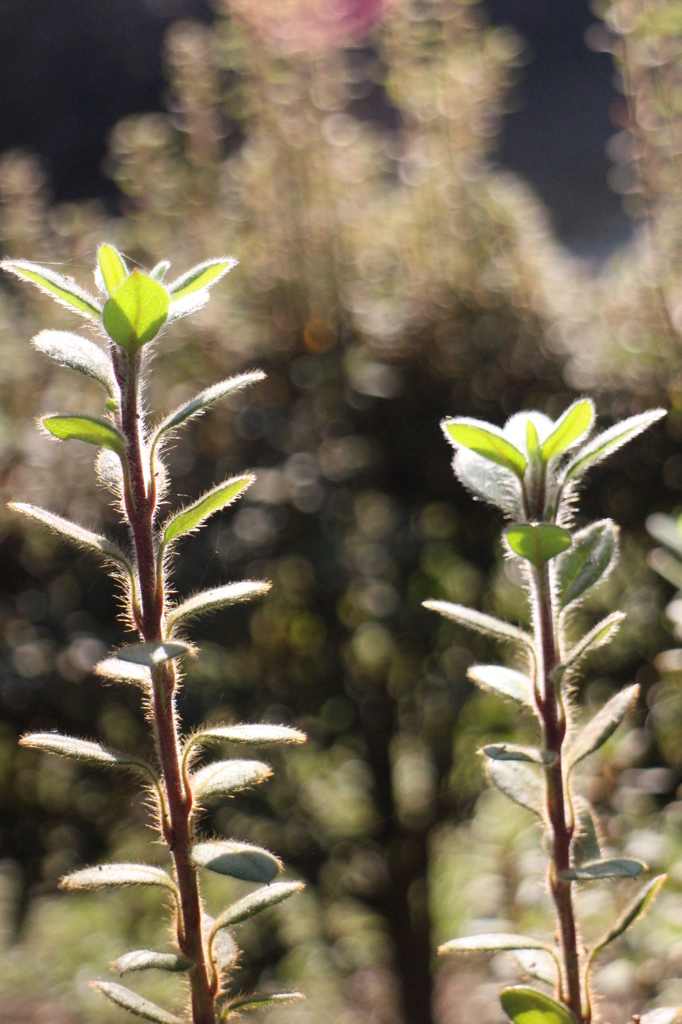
x: 191, y: 517
x: 136, y: 311
x: 256, y: 901
x: 537, y: 542
x: 152, y: 654
x: 245, y: 1004
x: 77, y: 354
x: 527, y: 1006
x: 204, y: 275
x: 591, y: 736
x: 532, y: 440
x: 212, y: 600
x: 486, y: 440
x: 538, y: 964
x: 630, y: 914
x: 76, y: 534
x: 598, y: 636
x: 160, y: 270
x: 223, y: 778
x: 80, y: 750
x: 569, y: 428
x: 505, y: 681
x: 609, y: 441
x: 124, y: 672
x: 585, y: 845
x: 523, y: 783
x: 136, y: 1004
x: 620, y: 867
x: 591, y: 556
x: 146, y: 959
x: 492, y: 943
x: 237, y: 860
x: 105, y: 876
x: 63, y: 289
x: 255, y: 735
x: 512, y: 752
x: 203, y: 401
x: 112, y: 267
x: 479, y: 621
x: 86, y: 428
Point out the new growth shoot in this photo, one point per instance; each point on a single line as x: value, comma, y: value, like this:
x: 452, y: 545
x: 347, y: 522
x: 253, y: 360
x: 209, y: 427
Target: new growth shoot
x: 530, y: 470
x: 128, y: 316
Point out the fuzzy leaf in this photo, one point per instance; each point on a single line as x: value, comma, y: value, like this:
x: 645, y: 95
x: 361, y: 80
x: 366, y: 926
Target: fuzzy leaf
x: 160, y: 270
x: 238, y: 860
x: 146, y: 959
x: 538, y: 964
x: 207, y: 601
x: 609, y: 441
x: 136, y: 1004
x: 537, y: 542
x: 489, y: 481
x: 569, y: 428
x: 505, y: 681
x: 136, y: 311
x: 112, y: 267
x: 204, y: 400
x: 598, y: 636
x: 486, y: 440
x: 591, y: 556
x: 80, y: 750
x: 512, y: 752
x: 522, y: 783
x: 666, y: 530
x: 204, y: 275
x: 152, y: 654
x: 630, y: 914
x: 78, y: 354
x: 226, y: 777
x: 123, y: 672
x: 620, y: 867
x: 585, y: 845
x: 256, y: 901
x: 105, y: 876
x: 492, y: 944
x: 256, y: 1002
x: 191, y: 517
x: 76, y: 534
x: 88, y: 429
x: 527, y: 1006
x: 63, y: 289
x: 591, y: 736
x: 255, y: 735
x: 479, y: 621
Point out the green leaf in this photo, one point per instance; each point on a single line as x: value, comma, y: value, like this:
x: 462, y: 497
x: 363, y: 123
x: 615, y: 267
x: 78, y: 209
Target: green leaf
x: 257, y: 1002
x: 569, y: 428
x: 203, y: 401
x: 124, y: 672
x: 76, y: 534
x: 630, y: 914
x: 63, y: 289
x: 492, y: 943
x: 256, y: 901
x: 152, y: 654
x: 146, y: 959
x: 598, y: 636
x: 513, y: 752
x: 505, y: 681
x: 106, y: 876
x: 226, y: 777
x: 191, y: 517
x: 80, y: 750
x: 609, y: 441
x: 486, y: 440
x: 237, y: 860
x: 489, y: 481
x: 585, y: 845
x: 136, y: 1004
x: 86, y: 428
x: 537, y: 542
x: 620, y: 867
x: 538, y: 964
x: 666, y: 530
x: 591, y: 736
x: 77, y: 354
x: 212, y: 600
x: 593, y: 553
x: 112, y: 267
x: 136, y: 311
x: 204, y: 275
x: 255, y: 735
x: 159, y: 271
x: 527, y: 1006
x: 523, y: 783
x: 480, y: 622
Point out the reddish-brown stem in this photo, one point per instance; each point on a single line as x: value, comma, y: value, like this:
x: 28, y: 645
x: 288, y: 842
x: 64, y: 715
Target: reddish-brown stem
x: 554, y: 732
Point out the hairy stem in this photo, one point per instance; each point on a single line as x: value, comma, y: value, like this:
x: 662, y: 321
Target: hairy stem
x: 554, y: 731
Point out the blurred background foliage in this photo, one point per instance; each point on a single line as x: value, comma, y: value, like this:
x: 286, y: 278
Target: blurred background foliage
x: 389, y: 274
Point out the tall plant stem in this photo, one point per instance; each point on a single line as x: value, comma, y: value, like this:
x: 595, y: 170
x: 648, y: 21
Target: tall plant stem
x: 554, y: 732
x: 140, y: 501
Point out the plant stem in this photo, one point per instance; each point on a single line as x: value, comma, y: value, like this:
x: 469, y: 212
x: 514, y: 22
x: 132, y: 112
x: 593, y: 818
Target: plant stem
x: 554, y: 732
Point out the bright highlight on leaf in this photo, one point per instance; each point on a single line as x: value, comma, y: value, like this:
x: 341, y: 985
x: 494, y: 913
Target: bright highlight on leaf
x: 506, y: 682
x: 106, y: 876
x: 493, y: 943
x: 112, y: 267
x: 256, y: 901
x: 591, y: 736
x: 486, y: 440
x: 212, y: 600
x: 480, y: 622
x: 610, y: 441
x: 63, y: 289
x: 236, y: 1007
x: 204, y: 275
x: 618, y: 867
x: 237, y: 860
x: 537, y: 543
x: 79, y: 354
x: 133, y: 1002
x: 590, y: 557
x: 222, y: 778
x: 136, y: 311
x: 80, y: 750
x: 569, y: 428
x: 203, y: 401
x: 634, y: 910
x: 88, y: 429
x: 152, y: 654
x: 521, y: 782
x: 191, y: 517
x: 149, y: 959
x: 76, y: 534
x: 527, y: 1006
x: 252, y: 735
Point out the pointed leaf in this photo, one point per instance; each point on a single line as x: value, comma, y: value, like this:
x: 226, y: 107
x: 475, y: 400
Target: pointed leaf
x: 492, y: 944
x: 86, y: 428
x: 211, y: 600
x: 528, y: 1006
x: 146, y: 959
x: 486, y: 440
x: 201, y: 402
x: 191, y: 517
x: 569, y: 428
x: 80, y: 750
x: 591, y: 736
x: 630, y: 914
x: 159, y: 271
x: 124, y: 672
x: 204, y: 275
x: 592, y: 554
x: 136, y: 1004
x: 255, y: 735
x: 76, y: 534
x: 105, y: 876
x: 223, y: 778
x: 513, y: 752
x: 489, y: 481
x: 261, y: 899
x: 619, y: 867
x: 78, y: 354
x: 538, y: 964
x: 609, y: 441
x: 537, y: 542
x: 63, y: 289
x: 479, y: 621
x: 666, y: 530
x: 600, y: 635
x: 238, y: 860
x: 505, y: 681
x: 136, y: 311
x: 256, y: 1002
x: 585, y: 845
x: 522, y: 783
x: 112, y: 267
x: 152, y: 654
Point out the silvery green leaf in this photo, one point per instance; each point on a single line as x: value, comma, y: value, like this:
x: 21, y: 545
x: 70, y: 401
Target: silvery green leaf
x: 109, y: 471
x: 492, y: 483
x: 630, y: 914
x: 513, y: 752
x: 81, y: 750
x: 203, y: 401
x: 159, y: 271
x: 592, y: 555
x: 666, y: 530
x: 63, y: 289
x: 480, y: 622
x: 538, y: 964
x: 619, y: 867
x: 591, y: 736
x: 222, y: 778
x: 237, y: 860
x: 193, y: 516
x: 493, y: 943
x: 505, y: 681
x: 146, y: 959
x: 124, y: 672
x: 152, y: 654
x: 261, y: 899
x: 77, y: 354
x: 201, y: 277
x: 609, y: 441
x: 105, y: 876
x: 76, y: 534
x: 245, y: 1004
x: 211, y: 600
x: 255, y: 735
x: 585, y: 845
x: 523, y: 783
x: 600, y: 635
x: 136, y: 1004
